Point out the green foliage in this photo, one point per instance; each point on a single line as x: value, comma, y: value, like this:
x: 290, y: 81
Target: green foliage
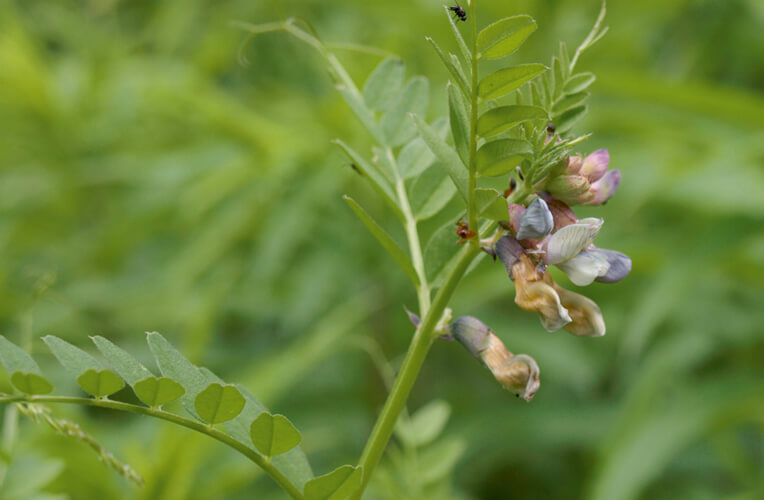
x: 500, y: 157
x: 25, y: 374
x: 100, y: 383
x: 218, y: 403
x: 157, y: 391
x: 385, y: 240
x: 335, y: 485
x: 506, y: 80
x: 449, y: 159
x: 214, y: 402
x: 273, y: 434
x: 505, y: 36
x: 421, y: 464
x: 28, y: 478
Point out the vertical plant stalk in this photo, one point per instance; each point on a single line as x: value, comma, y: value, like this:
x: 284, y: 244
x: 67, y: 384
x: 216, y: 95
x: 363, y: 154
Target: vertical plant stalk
x: 412, y: 235
x: 412, y: 364
x: 471, y: 208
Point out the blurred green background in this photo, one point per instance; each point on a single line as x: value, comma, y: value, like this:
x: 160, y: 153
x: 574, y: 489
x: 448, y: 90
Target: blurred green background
x: 150, y: 180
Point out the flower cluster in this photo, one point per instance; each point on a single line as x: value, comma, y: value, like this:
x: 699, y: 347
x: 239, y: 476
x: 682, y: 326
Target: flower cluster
x: 547, y: 232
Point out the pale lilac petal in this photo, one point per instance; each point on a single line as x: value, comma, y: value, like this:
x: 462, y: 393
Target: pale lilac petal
x: 620, y: 265
x: 571, y: 240
x: 595, y: 165
x: 585, y: 267
x: 537, y: 221
x: 605, y: 188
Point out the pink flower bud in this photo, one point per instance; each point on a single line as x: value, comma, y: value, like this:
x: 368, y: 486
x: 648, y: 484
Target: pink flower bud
x: 595, y: 165
x: 604, y: 188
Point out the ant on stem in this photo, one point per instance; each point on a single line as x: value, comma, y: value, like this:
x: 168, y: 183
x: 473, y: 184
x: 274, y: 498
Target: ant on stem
x: 458, y: 12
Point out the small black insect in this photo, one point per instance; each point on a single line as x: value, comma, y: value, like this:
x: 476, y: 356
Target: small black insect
x: 550, y: 128
x: 458, y: 12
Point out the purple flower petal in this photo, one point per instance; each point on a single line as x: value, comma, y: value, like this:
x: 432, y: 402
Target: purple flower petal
x: 605, y: 188
x: 595, y: 165
x: 509, y: 251
x: 620, y: 265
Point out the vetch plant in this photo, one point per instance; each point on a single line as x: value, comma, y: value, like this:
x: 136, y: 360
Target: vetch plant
x: 506, y: 151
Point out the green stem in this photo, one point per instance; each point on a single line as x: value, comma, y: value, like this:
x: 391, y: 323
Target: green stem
x: 170, y: 417
x: 415, y: 248
x: 409, y: 371
x: 412, y: 235
x: 471, y: 208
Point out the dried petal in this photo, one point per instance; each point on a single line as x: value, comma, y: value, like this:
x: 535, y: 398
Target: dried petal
x: 595, y: 165
x: 543, y: 299
x: 605, y: 188
x: 535, y: 295
x: 519, y: 374
x: 571, y: 240
x: 537, y: 221
x: 586, y: 316
x: 620, y: 265
x: 585, y: 267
